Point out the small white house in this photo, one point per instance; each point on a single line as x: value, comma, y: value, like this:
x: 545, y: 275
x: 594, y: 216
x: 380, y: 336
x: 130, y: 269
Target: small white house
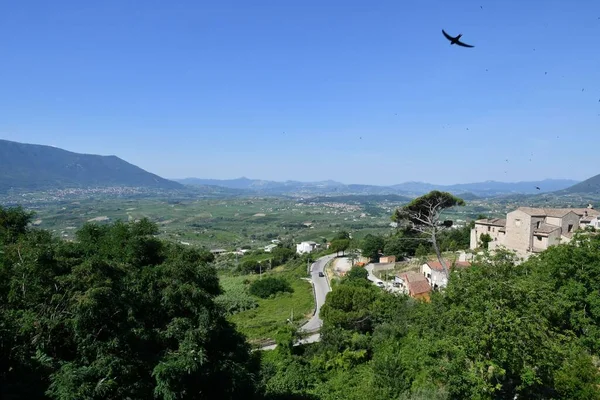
x: 433, y: 271
x: 306, y: 247
x: 270, y: 247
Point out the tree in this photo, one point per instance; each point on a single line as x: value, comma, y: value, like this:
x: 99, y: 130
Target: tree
x: 269, y: 286
x: 403, y: 243
x: 338, y: 245
x: 342, y: 235
x: 281, y: 255
x: 485, y: 240
x: 423, y: 215
x: 353, y: 256
x: 371, y: 246
x: 116, y: 314
x: 357, y: 273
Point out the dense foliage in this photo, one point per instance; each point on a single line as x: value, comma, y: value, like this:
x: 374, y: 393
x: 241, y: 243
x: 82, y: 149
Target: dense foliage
x: 117, y: 314
x: 499, y: 331
x: 269, y: 286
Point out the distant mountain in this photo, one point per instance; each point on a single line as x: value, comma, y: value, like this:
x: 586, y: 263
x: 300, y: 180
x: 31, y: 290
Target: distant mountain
x: 262, y: 186
x: 468, y: 190
x: 37, y: 167
x: 591, y: 185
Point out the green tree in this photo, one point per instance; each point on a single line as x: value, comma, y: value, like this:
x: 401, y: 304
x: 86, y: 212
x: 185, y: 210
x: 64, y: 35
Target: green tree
x: 423, y: 215
x: 116, y: 314
x: 281, y: 255
x: 371, y: 246
x: 342, y: 235
x: 269, y: 286
x: 338, y: 245
x: 357, y: 273
x: 403, y: 243
x: 485, y: 240
x: 350, y: 307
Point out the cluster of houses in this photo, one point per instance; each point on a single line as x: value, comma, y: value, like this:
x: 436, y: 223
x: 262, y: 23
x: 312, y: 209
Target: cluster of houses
x: 526, y: 231
x: 529, y: 230
x: 431, y: 276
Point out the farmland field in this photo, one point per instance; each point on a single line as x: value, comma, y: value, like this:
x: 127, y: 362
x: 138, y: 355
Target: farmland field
x: 230, y: 223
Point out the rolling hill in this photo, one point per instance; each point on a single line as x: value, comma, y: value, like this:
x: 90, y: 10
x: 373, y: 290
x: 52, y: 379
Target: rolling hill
x: 37, y: 167
x: 590, y: 185
x: 468, y: 190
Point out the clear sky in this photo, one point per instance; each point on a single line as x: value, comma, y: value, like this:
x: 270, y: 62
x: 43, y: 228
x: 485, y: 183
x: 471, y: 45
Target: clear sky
x: 356, y: 91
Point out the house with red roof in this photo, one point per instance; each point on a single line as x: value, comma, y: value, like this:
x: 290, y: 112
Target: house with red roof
x: 415, y: 284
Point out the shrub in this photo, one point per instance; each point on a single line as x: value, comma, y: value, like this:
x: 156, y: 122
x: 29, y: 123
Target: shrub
x: 235, y: 300
x: 268, y: 286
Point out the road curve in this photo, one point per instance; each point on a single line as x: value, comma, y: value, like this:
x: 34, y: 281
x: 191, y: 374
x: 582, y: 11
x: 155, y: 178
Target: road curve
x: 321, y: 288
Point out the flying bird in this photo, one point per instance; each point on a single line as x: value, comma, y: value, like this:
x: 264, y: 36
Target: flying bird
x: 538, y: 188
x: 455, y: 40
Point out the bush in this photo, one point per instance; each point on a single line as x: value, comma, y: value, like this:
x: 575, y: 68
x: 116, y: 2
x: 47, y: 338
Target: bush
x: 236, y: 300
x: 268, y: 286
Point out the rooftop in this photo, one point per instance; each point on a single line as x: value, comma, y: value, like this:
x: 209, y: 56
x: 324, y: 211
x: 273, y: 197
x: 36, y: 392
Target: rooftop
x: 412, y: 276
x: 546, y: 229
x: 419, y: 287
x: 492, y: 221
x: 438, y: 266
x: 558, y: 212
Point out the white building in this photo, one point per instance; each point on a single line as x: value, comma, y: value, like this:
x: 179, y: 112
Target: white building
x: 434, y: 272
x: 306, y: 247
x: 270, y: 247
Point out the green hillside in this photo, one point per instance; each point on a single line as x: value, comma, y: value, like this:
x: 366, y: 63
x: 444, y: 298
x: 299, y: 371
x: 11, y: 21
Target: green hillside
x: 591, y: 185
x: 36, y: 167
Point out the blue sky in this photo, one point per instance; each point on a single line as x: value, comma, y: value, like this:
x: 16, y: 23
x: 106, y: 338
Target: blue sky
x: 287, y: 89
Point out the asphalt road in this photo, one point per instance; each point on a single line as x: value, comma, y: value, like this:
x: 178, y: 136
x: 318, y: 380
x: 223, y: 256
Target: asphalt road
x: 321, y: 288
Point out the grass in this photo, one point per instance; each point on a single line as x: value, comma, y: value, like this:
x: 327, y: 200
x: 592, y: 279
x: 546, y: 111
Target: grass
x: 262, y: 323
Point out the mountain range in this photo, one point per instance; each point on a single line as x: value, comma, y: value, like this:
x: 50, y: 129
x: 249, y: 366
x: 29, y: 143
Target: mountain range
x: 478, y: 189
x: 38, y: 167
x: 34, y: 167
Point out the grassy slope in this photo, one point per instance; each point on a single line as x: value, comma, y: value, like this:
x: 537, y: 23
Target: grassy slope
x: 263, y: 322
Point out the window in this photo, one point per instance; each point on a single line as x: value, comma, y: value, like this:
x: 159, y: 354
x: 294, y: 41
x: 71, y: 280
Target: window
x: 539, y: 238
x: 517, y: 222
x: 489, y: 228
x: 537, y: 225
x: 570, y: 228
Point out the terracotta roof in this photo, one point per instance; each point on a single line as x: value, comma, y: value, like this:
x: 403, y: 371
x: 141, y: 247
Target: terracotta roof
x: 438, y: 266
x: 545, y: 229
x: 492, y: 221
x: 412, y: 276
x: 419, y: 287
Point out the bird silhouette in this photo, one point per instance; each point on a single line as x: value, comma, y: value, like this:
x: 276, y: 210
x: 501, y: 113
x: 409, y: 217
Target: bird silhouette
x: 538, y: 188
x: 455, y: 40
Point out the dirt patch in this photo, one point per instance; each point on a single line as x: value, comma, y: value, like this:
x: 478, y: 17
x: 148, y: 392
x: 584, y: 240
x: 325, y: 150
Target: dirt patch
x: 340, y: 266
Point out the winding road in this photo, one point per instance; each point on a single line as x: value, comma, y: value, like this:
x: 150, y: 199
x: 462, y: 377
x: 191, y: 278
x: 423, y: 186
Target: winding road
x: 321, y: 287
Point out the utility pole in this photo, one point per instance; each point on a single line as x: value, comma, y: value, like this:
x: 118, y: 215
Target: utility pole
x: 308, y: 266
x: 259, y: 271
